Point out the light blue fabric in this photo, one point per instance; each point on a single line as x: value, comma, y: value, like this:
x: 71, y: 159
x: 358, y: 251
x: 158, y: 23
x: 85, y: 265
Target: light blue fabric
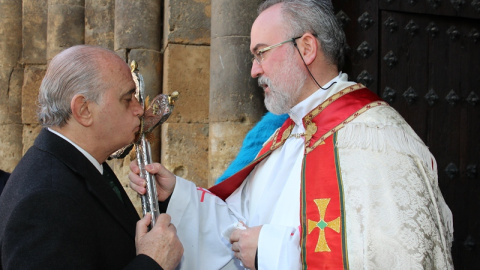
x: 253, y: 142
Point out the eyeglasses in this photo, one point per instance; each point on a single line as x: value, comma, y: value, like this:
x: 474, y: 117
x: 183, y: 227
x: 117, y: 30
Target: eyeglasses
x: 258, y: 56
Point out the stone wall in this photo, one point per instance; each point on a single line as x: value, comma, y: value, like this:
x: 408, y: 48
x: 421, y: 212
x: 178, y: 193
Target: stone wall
x: 170, y: 40
x: 11, y: 81
x: 187, y: 68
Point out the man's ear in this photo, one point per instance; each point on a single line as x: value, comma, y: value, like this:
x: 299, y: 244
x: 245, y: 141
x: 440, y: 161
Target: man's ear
x: 81, y: 110
x: 309, y: 47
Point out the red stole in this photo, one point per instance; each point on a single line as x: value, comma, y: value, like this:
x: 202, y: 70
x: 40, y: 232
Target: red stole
x: 323, y: 239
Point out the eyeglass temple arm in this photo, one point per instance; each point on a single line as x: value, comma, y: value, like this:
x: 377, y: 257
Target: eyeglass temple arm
x: 311, y: 75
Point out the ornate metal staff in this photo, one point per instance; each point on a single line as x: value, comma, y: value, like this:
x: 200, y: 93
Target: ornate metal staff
x: 155, y: 114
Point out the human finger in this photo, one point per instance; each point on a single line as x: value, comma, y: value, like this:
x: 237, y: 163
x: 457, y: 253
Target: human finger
x: 142, y: 226
x: 137, y: 183
x: 134, y: 167
x: 235, y: 247
x: 154, y: 168
x: 164, y: 219
x: 235, y: 236
x: 238, y: 255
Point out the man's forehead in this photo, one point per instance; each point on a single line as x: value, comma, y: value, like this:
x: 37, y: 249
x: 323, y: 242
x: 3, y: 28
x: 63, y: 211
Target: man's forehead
x: 118, y: 75
x: 267, y: 27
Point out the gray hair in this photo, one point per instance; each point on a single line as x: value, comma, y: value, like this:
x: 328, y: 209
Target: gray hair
x: 316, y: 17
x: 73, y: 71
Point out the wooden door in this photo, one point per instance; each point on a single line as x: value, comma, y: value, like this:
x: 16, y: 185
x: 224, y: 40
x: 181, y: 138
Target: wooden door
x: 423, y: 57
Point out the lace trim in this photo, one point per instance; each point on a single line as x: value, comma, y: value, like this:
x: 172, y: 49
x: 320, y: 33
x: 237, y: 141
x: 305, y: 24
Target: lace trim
x: 379, y: 137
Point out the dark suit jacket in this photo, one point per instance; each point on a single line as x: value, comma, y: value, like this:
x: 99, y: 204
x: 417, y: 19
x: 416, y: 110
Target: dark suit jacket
x: 3, y: 179
x: 58, y: 212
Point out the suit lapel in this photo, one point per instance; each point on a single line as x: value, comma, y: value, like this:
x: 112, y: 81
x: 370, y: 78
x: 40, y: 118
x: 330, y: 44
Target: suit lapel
x: 124, y: 213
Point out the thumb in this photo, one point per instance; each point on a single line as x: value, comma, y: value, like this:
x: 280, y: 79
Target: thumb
x: 153, y: 168
x: 142, y: 225
x: 242, y: 223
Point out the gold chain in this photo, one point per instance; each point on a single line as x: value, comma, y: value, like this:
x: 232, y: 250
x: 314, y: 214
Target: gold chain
x: 297, y: 135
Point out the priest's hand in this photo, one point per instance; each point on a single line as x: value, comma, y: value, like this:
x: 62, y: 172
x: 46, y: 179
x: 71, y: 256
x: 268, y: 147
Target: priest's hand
x: 164, y: 178
x: 245, y: 244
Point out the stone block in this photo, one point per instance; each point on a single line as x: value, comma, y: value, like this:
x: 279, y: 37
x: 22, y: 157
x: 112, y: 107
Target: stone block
x: 185, y: 151
x: 30, y: 133
x: 99, y: 23
x: 66, y: 25
x: 33, y: 76
x: 225, y: 141
x: 187, y: 71
x: 187, y: 22
x: 138, y: 24
x: 10, y: 145
x: 123, y: 54
x: 234, y: 94
x: 11, y: 80
x: 150, y: 65
x: 10, y: 33
x: 35, y: 31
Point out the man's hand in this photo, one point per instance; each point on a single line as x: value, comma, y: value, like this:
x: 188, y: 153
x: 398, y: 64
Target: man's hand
x: 164, y: 178
x: 161, y: 243
x: 245, y: 244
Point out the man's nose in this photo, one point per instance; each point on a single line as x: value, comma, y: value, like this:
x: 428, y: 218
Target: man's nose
x: 138, y: 108
x: 256, y: 70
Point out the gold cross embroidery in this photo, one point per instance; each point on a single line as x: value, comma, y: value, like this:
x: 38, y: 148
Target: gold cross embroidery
x: 322, y: 245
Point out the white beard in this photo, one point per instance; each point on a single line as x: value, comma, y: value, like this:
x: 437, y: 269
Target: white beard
x: 284, y: 87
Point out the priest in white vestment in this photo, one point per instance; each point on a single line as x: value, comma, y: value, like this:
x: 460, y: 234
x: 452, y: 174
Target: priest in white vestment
x: 391, y: 212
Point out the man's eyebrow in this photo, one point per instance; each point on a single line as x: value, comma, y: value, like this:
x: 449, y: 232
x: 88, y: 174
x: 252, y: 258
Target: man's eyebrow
x: 255, y: 49
x: 129, y: 93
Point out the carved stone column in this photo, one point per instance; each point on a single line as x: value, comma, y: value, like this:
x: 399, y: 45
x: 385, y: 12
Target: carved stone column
x: 236, y: 103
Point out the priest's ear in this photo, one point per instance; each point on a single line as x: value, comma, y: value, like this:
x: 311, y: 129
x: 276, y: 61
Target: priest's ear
x: 308, y: 47
x: 82, y: 110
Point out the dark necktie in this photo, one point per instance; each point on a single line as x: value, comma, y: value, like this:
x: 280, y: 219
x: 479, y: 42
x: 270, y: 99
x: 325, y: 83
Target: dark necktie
x: 111, y: 181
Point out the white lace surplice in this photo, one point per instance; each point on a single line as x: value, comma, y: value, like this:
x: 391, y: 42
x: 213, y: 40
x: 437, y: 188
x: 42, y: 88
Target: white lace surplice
x: 396, y: 217
x: 395, y: 212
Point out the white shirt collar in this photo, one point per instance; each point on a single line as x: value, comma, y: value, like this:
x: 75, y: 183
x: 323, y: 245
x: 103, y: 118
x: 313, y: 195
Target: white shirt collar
x: 298, y: 112
x: 85, y: 153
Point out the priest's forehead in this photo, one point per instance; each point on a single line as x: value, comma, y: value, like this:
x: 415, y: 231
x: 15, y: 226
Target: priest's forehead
x: 268, y: 28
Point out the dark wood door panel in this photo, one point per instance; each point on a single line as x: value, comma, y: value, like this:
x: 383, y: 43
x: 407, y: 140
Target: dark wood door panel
x: 403, y: 69
x: 455, y: 8
x: 429, y: 72
x: 360, y: 21
x: 423, y: 57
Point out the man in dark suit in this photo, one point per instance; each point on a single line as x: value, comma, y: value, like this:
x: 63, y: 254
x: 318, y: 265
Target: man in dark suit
x: 3, y: 179
x: 63, y: 207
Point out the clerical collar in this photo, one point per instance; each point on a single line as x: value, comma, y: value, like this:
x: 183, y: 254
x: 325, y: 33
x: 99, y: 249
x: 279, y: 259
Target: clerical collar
x: 85, y: 153
x: 298, y: 112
